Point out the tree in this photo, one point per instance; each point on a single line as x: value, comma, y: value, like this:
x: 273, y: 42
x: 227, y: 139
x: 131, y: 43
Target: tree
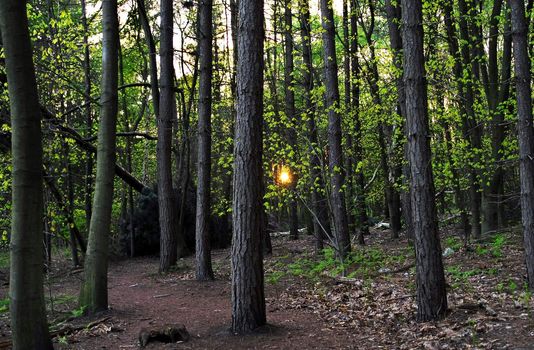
x: 204, y: 270
x: 525, y: 128
x: 248, y: 298
x: 321, y: 225
x: 94, y: 293
x: 27, y: 305
x: 335, y: 158
x: 168, y: 229
x: 290, y: 108
x: 430, y: 278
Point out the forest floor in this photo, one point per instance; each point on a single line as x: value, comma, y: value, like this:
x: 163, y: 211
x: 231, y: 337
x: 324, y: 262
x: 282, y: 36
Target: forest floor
x: 307, y: 308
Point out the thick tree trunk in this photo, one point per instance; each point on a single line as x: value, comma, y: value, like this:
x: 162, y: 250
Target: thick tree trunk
x: 27, y: 306
x: 321, y: 225
x: 248, y: 297
x: 337, y: 174
x: 204, y: 270
x: 430, y: 278
x: 526, y: 130
x: 167, y: 223
x: 94, y: 293
x: 290, y: 110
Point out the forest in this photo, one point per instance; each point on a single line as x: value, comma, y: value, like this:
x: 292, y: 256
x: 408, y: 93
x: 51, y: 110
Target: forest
x: 266, y: 174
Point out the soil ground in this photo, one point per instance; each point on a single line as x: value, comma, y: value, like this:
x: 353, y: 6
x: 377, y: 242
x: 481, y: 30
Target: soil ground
x: 307, y: 307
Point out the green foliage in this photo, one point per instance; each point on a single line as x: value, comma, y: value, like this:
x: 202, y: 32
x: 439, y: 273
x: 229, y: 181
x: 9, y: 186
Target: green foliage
x: 4, y: 305
x: 4, y: 259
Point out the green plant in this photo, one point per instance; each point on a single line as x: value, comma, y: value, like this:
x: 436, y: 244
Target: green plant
x: 274, y: 277
x: 4, y: 259
x: 78, y: 312
x: 4, y: 305
x: 453, y: 242
x: 499, y: 240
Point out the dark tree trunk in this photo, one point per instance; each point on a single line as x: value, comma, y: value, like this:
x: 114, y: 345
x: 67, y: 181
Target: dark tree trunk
x: 88, y: 115
x: 167, y: 210
x: 394, y: 18
x: 290, y: 110
x: 321, y: 225
x: 204, y: 270
x: 335, y: 159
x: 454, y: 51
x: 94, y: 294
x: 27, y: 306
x: 358, y: 150
x: 430, y: 278
x: 525, y: 128
x: 248, y: 298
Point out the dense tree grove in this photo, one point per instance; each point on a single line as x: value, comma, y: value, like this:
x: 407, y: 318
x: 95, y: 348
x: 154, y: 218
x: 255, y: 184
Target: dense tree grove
x: 140, y: 127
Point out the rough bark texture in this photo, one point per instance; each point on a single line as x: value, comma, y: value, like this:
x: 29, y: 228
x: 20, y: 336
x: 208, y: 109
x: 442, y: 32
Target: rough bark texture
x: 248, y: 298
x: 27, y: 306
x: 321, y: 225
x: 290, y: 108
x: 430, y: 279
x: 335, y: 159
x: 167, y: 222
x: 94, y: 294
x: 525, y: 130
x: 204, y: 270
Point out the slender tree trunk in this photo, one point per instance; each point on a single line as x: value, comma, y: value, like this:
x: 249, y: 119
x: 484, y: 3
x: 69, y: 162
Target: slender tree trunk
x: 248, y: 298
x: 394, y: 18
x: 454, y: 51
x: 290, y: 109
x: 430, y: 278
x: 337, y: 174
x: 320, y: 222
x: 94, y: 293
x: 525, y: 128
x: 358, y: 150
x: 204, y: 270
x: 168, y: 232
x: 89, y: 163
x: 27, y: 306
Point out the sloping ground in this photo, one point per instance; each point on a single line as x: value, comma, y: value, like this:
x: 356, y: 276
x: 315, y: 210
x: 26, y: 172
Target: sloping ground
x: 372, y: 308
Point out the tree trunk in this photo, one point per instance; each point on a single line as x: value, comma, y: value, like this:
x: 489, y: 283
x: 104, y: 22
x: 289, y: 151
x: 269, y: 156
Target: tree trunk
x: 525, y: 128
x: 204, y: 270
x: 358, y: 150
x: 430, y: 278
x: 290, y: 111
x: 248, y: 298
x: 168, y: 232
x: 27, y: 306
x: 394, y: 18
x: 321, y: 225
x: 89, y: 163
x: 94, y: 294
x: 337, y: 174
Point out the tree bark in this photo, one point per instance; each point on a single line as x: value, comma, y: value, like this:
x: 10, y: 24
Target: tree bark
x: 204, y: 270
x: 27, y: 306
x: 526, y: 130
x: 94, y: 293
x: 430, y: 278
x: 335, y: 159
x: 358, y: 149
x: 321, y: 224
x: 248, y: 298
x: 290, y: 110
x: 168, y: 229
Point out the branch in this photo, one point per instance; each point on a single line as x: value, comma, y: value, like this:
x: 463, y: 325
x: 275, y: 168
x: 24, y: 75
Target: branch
x: 126, y: 134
